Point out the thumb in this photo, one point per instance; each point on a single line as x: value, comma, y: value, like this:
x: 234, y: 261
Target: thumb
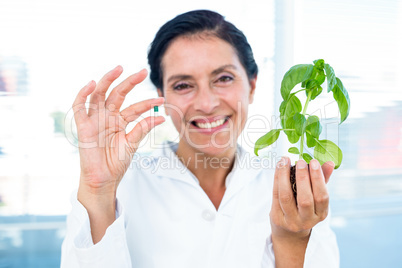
x: 327, y: 169
x: 140, y: 130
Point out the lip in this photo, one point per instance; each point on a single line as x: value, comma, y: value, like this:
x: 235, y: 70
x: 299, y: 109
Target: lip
x: 209, y: 120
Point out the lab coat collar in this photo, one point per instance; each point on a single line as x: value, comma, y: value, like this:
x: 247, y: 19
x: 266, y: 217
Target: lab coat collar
x: 167, y: 164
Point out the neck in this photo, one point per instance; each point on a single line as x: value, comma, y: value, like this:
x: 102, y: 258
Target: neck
x: 210, y: 170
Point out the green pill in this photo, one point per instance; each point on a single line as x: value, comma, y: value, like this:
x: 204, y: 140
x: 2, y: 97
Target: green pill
x: 155, y: 108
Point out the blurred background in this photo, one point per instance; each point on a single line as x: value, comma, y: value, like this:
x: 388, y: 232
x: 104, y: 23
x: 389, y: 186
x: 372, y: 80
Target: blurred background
x: 49, y: 49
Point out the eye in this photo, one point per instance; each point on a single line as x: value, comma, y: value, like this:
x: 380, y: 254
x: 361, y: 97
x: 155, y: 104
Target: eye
x: 181, y: 86
x: 225, y: 79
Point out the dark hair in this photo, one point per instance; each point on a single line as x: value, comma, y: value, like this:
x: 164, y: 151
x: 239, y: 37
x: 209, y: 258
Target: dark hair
x: 194, y: 22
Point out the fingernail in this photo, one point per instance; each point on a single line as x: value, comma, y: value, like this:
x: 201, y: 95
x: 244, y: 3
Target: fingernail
x: 114, y: 69
x: 332, y: 164
x: 301, y: 164
x: 282, y: 163
x: 89, y: 83
x: 314, y: 164
x: 143, y: 70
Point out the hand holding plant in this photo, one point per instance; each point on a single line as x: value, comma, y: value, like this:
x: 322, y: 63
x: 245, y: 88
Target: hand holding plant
x: 292, y: 219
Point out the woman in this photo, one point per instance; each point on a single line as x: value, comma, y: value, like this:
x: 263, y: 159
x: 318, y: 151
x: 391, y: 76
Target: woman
x: 204, y: 207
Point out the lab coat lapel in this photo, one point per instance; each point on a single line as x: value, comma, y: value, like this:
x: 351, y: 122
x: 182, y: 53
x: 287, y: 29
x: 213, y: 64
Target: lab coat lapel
x: 244, y: 171
x: 167, y: 164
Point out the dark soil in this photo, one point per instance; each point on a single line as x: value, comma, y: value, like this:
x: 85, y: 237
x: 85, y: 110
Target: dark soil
x: 293, y: 180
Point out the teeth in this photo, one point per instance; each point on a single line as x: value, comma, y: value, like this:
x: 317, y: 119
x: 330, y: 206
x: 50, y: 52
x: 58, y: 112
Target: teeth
x: 217, y: 123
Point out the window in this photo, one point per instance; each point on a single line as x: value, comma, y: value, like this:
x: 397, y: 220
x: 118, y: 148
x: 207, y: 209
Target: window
x: 362, y: 41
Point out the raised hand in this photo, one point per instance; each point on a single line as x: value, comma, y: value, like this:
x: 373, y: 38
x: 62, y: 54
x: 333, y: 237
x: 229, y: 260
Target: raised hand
x: 105, y: 148
x: 291, y: 224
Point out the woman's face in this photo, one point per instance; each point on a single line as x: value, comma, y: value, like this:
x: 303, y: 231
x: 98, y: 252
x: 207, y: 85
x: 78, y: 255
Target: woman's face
x: 207, y: 93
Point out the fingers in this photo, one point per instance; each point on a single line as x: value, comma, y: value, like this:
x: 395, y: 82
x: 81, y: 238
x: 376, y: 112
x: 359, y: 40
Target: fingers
x: 80, y: 111
x: 305, y: 200
x: 321, y: 197
x: 132, y: 112
x: 98, y: 96
x: 119, y: 93
x: 328, y: 168
x: 285, y: 193
x: 312, y: 197
x: 275, y: 194
x: 140, y: 130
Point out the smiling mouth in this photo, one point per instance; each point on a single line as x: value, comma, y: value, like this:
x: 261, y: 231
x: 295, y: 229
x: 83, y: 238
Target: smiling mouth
x: 209, y: 125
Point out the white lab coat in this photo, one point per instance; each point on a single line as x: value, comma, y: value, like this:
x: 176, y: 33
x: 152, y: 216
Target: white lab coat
x: 165, y: 219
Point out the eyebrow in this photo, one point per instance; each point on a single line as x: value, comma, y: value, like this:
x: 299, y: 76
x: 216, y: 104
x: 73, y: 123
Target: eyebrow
x: 222, y: 68
x: 214, y: 72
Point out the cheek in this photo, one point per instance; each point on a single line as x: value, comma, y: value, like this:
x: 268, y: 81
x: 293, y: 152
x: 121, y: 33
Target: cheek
x: 239, y: 102
x: 175, y: 110
x: 177, y: 105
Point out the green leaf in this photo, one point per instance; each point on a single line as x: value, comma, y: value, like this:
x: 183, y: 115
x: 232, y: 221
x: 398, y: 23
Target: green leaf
x: 314, y: 83
x: 310, y: 140
x: 282, y: 107
x: 313, y: 130
x: 320, y: 77
x: 289, y: 108
x: 326, y: 150
x: 342, y: 98
x: 293, y: 105
x: 311, y: 84
x: 317, y: 91
x: 266, y: 140
x: 293, y: 137
x: 299, y: 123
x: 331, y: 78
x: 293, y: 150
x: 295, y: 75
x: 313, y: 125
x: 307, y: 157
x: 319, y: 64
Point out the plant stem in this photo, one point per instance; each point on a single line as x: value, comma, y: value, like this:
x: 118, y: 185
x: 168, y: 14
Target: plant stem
x: 304, y: 113
x: 303, y: 89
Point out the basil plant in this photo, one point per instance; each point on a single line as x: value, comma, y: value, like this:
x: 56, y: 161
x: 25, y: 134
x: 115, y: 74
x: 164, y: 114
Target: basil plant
x: 300, y: 126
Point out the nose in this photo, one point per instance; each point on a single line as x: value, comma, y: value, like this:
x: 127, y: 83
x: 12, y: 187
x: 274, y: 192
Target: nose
x: 206, y: 100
